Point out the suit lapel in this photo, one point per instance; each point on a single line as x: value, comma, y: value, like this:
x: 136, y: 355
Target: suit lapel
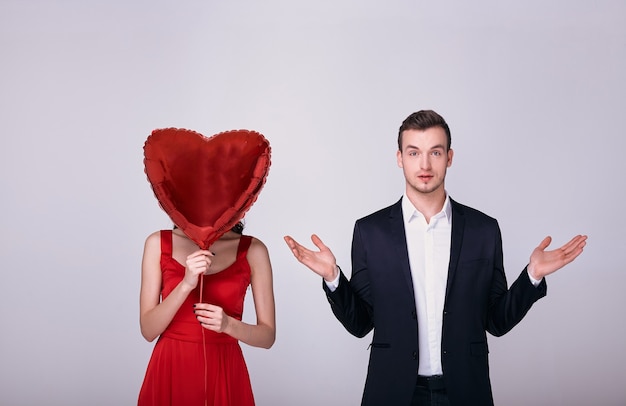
x: 458, y: 228
x: 398, y: 241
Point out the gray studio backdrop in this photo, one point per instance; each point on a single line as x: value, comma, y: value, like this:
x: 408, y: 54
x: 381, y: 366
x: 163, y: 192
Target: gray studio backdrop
x: 534, y: 93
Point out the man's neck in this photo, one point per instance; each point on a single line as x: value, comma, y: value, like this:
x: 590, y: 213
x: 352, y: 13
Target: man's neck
x: 428, y: 204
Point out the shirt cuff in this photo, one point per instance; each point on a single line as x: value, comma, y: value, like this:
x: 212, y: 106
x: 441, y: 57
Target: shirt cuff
x: 534, y: 281
x: 334, y: 284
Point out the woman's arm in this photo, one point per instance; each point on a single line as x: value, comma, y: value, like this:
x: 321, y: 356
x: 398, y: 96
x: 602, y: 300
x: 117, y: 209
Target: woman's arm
x: 263, y: 333
x: 155, y: 316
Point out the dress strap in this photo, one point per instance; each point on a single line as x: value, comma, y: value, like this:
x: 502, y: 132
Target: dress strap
x: 166, y: 243
x: 244, y: 244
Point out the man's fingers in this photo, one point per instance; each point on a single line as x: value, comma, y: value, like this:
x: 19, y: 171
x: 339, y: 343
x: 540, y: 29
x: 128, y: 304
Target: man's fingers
x: 290, y: 241
x: 296, y: 247
x: 318, y: 242
x: 293, y: 244
x: 576, y: 243
x: 575, y: 249
x: 544, y: 244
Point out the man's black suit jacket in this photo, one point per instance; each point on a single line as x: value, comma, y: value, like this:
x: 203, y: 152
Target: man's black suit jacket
x: 380, y: 296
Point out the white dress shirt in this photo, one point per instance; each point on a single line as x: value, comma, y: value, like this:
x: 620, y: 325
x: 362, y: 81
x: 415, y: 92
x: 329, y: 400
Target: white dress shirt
x: 428, y: 245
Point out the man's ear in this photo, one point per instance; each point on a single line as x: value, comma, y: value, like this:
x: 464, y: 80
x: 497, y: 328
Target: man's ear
x: 450, y: 155
x: 399, y: 158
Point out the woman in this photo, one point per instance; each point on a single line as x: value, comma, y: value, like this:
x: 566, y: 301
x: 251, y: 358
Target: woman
x: 197, y: 359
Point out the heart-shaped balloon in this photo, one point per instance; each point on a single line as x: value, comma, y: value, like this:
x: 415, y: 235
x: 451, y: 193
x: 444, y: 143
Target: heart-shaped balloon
x: 206, y: 184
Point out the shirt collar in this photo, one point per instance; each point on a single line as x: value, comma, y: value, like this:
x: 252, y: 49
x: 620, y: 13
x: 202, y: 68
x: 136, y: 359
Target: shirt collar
x: 409, y: 211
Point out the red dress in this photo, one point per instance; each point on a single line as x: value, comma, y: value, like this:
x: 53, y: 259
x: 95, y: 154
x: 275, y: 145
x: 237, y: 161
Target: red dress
x: 177, y: 369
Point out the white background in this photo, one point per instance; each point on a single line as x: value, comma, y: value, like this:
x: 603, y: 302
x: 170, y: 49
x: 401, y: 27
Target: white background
x: 534, y: 93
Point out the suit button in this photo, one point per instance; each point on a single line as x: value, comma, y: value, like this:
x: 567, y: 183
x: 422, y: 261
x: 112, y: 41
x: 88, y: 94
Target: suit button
x: 414, y: 354
x: 413, y: 314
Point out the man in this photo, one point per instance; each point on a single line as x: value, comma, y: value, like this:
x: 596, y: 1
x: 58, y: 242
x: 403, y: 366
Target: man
x: 428, y: 278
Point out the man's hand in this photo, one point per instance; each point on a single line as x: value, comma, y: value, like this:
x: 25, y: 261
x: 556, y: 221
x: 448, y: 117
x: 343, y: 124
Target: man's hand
x: 321, y: 262
x: 543, y: 263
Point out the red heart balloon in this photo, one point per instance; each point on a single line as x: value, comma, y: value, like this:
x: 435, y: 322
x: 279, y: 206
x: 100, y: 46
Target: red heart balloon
x: 206, y: 184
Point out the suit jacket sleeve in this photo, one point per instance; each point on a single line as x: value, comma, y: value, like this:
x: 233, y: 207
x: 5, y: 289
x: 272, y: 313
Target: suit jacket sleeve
x: 507, y: 307
x: 351, y: 302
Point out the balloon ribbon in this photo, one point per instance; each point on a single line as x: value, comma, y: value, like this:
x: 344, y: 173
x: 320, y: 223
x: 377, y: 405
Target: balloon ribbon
x: 204, y: 345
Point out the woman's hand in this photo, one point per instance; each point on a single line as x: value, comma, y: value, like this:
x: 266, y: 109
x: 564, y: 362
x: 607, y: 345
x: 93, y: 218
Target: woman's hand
x: 211, y: 317
x: 197, y: 263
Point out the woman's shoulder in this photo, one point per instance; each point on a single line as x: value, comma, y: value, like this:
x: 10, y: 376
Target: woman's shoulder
x: 154, y: 239
x: 152, y: 245
x: 254, y: 240
x: 257, y: 247
x: 156, y: 235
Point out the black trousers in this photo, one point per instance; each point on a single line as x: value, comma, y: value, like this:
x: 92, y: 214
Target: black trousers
x: 423, y: 396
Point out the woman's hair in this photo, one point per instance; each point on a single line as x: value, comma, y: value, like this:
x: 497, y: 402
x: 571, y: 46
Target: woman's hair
x: 237, y: 228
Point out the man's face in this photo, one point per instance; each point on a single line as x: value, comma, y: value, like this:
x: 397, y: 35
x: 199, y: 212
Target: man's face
x: 424, y: 160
